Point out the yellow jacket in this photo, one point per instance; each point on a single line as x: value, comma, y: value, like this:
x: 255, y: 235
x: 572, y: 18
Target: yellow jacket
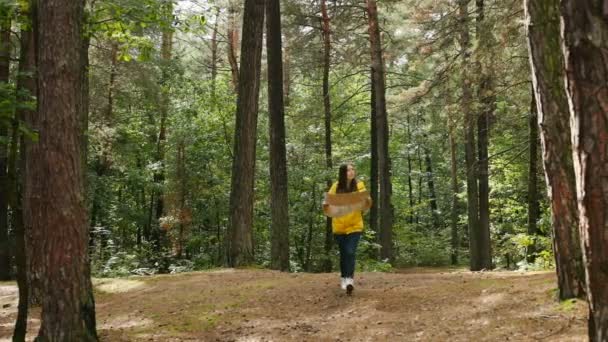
x: 349, y: 223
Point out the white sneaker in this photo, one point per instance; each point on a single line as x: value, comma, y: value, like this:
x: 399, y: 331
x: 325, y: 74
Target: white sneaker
x: 350, y: 285
x: 343, y: 283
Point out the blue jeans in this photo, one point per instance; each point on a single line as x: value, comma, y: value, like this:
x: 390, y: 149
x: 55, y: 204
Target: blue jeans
x: 348, y: 247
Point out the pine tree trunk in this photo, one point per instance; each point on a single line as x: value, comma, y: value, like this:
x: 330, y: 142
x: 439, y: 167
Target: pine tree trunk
x: 286, y: 73
x: 486, y: 100
x: 373, y: 213
x: 455, y: 191
x: 385, y: 209
x: 31, y: 121
x: 214, y: 54
x: 233, y: 41
x: 26, y: 90
x: 279, y: 254
x: 311, y: 223
x: 431, y: 185
x: 55, y: 207
x: 533, y: 204
x: 476, y: 261
x: 410, y: 216
x: 240, y: 235
x: 584, y: 40
x: 181, y: 176
x: 159, y: 234
x: 553, y: 119
x: 5, y: 52
x: 327, y: 265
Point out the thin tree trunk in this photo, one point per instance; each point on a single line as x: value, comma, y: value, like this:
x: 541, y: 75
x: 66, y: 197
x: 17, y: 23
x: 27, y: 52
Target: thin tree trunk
x: 26, y: 90
x: 181, y: 176
x: 233, y: 41
x: 327, y: 264
x: 455, y: 191
x: 533, y: 204
x: 487, y: 99
x: 311, y: 223
x: 584, y: 38
x: 476, y: 262
x: 5, y: 54
x: 240, y: 234
x: 385, y: 209
x: 214, y: 53
x: 420, y: 176
x: 373, y: 213
x: 102, y: 161
x: 431, y: 186
x: 410, y: 216
x: 279, y: 199
x: 55, y: 207
x: 553, y: 119
x: 32, y: 122
x: 159, y: 234
x: 286, y: 72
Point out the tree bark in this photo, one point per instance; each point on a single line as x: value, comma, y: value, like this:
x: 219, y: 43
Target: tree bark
x: 410, y: 216
x: 584, y: 39
x: 286, y: 73
x: 327, y: 265
x: 233, y: 41
x: 533, y: 204
x: 373, y: 212
x: 311, y: 223
x: 385, y: 209
x: 182, y: 210
x: 26, y: 90
x: 476, y: 263
x: 486, y: 101
x: 214, y: 58
x: 455, y: 191
x: 553, y: 119
x: 55, y: 206
x: 5, y: 54
x: 159, y: 234
x: 431, y: 185
x: 240, y: 234
x: 279, y: 199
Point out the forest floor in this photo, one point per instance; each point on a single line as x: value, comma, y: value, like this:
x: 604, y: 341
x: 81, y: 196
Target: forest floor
x: 260, y: 305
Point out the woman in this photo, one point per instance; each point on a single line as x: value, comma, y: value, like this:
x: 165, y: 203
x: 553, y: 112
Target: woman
x: 347, y: 227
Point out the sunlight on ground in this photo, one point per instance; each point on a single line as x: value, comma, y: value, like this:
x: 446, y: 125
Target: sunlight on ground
x: 125, y: 321
x: 112, y: 285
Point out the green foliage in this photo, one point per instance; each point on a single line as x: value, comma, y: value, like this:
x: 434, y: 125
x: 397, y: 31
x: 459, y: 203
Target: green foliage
x: 424, y: 91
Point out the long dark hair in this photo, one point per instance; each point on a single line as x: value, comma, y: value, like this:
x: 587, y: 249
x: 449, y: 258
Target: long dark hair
x: 343, y: 180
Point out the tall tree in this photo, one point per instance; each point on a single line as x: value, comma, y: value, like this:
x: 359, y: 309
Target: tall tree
x: 240, y: 233
x: 279, y: 251
x: 159, y: 176
x: 553, y: 120
x: 455, y: 191
x: 487, y: 99
x: 373, y: 187
x: 469, y: 145
x: 5, y: 54
x: 584, y: 40
x: 214, y: 57
x: 54, y: 207
x: 385, y: 209
x: 431, y: 185
x: 233, y: 39
x: 533, y: 204
x: 26, y: 89
x: 326, y: 32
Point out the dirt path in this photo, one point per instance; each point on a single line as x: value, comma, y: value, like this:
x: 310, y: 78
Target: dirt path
x: 260, y: 305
